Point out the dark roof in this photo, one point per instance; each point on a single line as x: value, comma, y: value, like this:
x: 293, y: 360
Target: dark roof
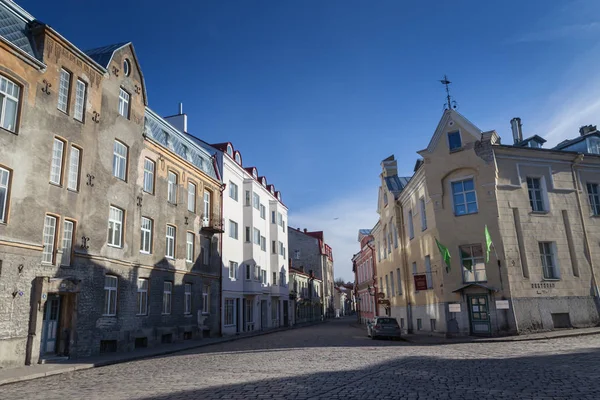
x: 536, y: 138
x: 364, y: 231
x: 103, y: 55
x: 396, y: 184
x: 569, y: 142
x: 16, y: 31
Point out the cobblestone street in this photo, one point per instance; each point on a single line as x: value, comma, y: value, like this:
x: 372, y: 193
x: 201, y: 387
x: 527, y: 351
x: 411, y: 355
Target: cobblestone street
x: 336, y: 360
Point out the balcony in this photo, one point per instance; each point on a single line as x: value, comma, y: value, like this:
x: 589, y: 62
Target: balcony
x: 213, y: 224
x: 252, y: 286
x: 277, y: 290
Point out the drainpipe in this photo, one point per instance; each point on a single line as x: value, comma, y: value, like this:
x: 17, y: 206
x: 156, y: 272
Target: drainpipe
x: 375, y: 288
x: 576, y: 161
x: 409, y: 324
x: 221, y: 270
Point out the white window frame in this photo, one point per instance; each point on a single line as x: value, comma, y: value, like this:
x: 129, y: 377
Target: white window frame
x: 206, y: 210
x: 256, y: 236
x: 464, y: 195
x: 255, y: 200
x: 233, y: 191
x: 247, y: 198
x: 49, y: 239
x: 124, y: 99
x: 120, y: 159
x: 80, y: 93
x: 149, y: 168
x: 9, y: 93
x: 428, y: 272
x: 167, y: 297
x: 191, y: 196
x: 56, y: 167
x: 110, y: 295
x: 4, y: 192
x: 190, y: 240
x: 536, y: 195
x: 478, y: 271
x: 229, y: 312
x: 74, y: 161
x: 172, y: 181
x: 263, y: 243
x: 280, y: 219
x: 423, y: 213
x: 593, y: 145
x: 549, y: 260
x: 170, y: 236
x: 233, y: 229
x: 64, y: 87
x: 67, y: 241
x: 206, y: 299
x: 115, y: 225
x: 281, y: 249
x: 187, y: 298
x: 263, y: 211
x: 411, y: 227
x: 142, y: 296
x: 593, y: 190
x: 233, y: 270
x: 146, y: 235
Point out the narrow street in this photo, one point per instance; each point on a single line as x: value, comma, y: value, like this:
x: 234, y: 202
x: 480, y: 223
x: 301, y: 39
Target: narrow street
x: 336, y: 360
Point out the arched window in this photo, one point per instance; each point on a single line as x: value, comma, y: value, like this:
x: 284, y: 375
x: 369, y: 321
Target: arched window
x: 238, y: 157
x: 254, y: 173
x: 230, y: 150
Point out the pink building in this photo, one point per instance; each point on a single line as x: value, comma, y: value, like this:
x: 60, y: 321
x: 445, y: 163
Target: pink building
x: 365, y: 277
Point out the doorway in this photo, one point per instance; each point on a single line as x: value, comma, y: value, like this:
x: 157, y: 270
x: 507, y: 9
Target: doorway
x: 285, y: 313
x: 263, y: 315
x: 479, y: 314
x: 50, y: 325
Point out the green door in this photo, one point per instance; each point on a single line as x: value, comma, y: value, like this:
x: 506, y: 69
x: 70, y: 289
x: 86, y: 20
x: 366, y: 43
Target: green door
x: 479, y: 314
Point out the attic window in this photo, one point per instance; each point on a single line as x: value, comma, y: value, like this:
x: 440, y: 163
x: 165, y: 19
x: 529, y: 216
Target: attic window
x: 238, y: 158
x: 594, y: 145
x: 254, y: 173
x: 127, y: 67
x: 229, y: 150
x: 454, y: 141
x: 278, y: 196
x: 272, y: 190
x: 264, y: 182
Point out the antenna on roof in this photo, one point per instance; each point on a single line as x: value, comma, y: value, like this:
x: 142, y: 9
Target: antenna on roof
x: 180, y: 108
x: 450, y: 104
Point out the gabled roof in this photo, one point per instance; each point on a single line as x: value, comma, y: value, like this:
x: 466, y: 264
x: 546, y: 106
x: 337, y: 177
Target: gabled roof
x: 14, y: 28
x: 103, y: 55
x: 364, y: 231
x: 535, y: 138
x: 446, y: 117
x: 570, y: 142
x: 395, y: 184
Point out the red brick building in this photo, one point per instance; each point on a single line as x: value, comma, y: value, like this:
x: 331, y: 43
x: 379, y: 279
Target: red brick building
x: 365, y: 277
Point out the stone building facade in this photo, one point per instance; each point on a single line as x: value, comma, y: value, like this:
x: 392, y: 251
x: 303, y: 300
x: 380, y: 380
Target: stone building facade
x: 306, y: 291
x: 364, y: 266
x: 104, y: 244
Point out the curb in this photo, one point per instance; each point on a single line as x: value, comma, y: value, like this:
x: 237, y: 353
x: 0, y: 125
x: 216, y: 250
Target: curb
x: 137, y: 357
x: 508, y: 339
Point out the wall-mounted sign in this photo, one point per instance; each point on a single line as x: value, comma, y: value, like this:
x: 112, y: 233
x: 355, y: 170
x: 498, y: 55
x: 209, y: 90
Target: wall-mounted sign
x: 420, y: 282
x: 502, y: 305
x: 454, y: 307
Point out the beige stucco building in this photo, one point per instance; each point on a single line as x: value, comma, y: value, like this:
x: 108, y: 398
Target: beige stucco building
x: 541, y: 210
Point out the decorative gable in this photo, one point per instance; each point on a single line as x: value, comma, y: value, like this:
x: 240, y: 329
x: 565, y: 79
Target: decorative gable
x: 453, y: 133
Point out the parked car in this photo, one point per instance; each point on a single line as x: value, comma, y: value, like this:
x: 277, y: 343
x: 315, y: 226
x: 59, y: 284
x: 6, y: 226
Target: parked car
x: 383, y: 327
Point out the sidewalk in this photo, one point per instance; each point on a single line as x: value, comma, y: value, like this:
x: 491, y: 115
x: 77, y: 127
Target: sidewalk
x: 424, y: 339
x: 29, y: 372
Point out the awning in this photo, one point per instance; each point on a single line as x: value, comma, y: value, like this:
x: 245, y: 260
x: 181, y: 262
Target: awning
x: 479, y: 285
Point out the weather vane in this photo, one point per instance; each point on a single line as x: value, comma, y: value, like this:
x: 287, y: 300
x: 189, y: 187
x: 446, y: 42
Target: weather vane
x: 449, y: 102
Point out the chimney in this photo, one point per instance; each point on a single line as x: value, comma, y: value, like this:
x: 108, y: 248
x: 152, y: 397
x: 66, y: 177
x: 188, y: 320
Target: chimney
x: 305, y: 230
x: 179, y: 121
x: 389, y: 166
x: 517, y: 130
x: 584, y: 130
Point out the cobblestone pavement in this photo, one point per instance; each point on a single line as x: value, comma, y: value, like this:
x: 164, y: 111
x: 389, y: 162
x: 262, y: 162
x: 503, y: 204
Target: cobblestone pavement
x: 337, y: 361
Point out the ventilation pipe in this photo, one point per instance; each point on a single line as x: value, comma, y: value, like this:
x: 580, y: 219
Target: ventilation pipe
x: 517, y: 130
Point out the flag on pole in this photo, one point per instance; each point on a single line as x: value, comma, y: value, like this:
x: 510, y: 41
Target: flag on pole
x: 445, y: 254
x: 488, y: 244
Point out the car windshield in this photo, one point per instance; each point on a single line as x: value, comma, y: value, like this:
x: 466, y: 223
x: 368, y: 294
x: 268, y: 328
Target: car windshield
x: 386, y: 321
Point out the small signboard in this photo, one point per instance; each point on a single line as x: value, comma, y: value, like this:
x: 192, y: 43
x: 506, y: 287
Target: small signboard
x: 420, y: 282
x: 502, y: 305
x: 454, y: 307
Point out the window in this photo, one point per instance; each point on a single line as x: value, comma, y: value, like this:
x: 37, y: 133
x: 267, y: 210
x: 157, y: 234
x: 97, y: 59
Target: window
x: 399, y: 280
x: 419, y: 324
x: 387, y: 287
x: 191, y: 197
x: 67, y: 242
x: 255, y: 200
x: 256, y: 236
x: 167, y: 292
x: 146, y: 243
x: 110, y: 295
x: 274, y: 281
x: 594, y: 145
x: 80, y: 89
x: 248, y: 272
x: 263, y: 243
x: 115, y: 227
x: 249, y: 311
x: 49, y: 239
x: 280, y: 219
x: 206, y: 299
x: 172, y: 187
x: 592, y: 188
x: 263, y: 211
x: 57, y: 161
x: 4, y: 181
x: 170, y: 245
x: 549, y: 267
x: 124, y: 103
x: 273, y: 220
x: 119, y: 160
x: 126, y: 67
x: 9, y: 102
x: 229, y: 312
x: 206, y: 204
x: 233, y: 191
x: 411, y: 227
x: 148, y: 176
x: 205, y: 243
x: 73, y: 180
x: 247, y: 198
x: 393, y: 292
x: 281, y: 249
x: 187, y: 298
x: 395, y: 236
x: 142, y: 297
x: 381, y: 285
x: 233, y: 229
x: 63, y: 90
x: 233, y: 270
x: 465, y: 200
x: 273, y: 247
x: 534, y: 187
x: 473, y: 264
x: 385, y: 199
x: 297, y: 254
x: 189, y: 247
x: 454, y: 141
x: 428, y: 272
x: 423, y: 214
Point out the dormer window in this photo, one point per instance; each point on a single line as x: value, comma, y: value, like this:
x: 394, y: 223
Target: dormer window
x: 272, y: 190
x: 534, y: 144
x: 254, y: 173
x: 454, y: 142
x: 230, y: 150
x: 594, y: 145
x: 124, y: 103
x: 264, y: 182
x: 126, y: 67
x: 278, y: 196
x: 238, y: 157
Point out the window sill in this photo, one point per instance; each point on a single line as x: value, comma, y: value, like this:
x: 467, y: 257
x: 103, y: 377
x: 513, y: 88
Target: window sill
x: 141, y: 315
x: 81, y: 121
x: 539, y: 212
x: 144, y: 191
x: 423, y: 229
x: 171, y: 204
x: 109, y: 315
x: 56, y: 184
x: 456, y: 150
x: 170, y: 258
x: 205, y: 313
x: 72, y: 190
x: 462, y: 215
x: 114, y: 246
x: 467, y: 282
x: 188, y: 315
x: 595, y: 216
x: 6, y: 130
x: 551, y: 279
x: 145, y: 253
x: 163, y: 314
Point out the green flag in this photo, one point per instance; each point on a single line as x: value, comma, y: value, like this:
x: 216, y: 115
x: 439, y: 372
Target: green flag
x: 488, y: 244
x: 445, y: 254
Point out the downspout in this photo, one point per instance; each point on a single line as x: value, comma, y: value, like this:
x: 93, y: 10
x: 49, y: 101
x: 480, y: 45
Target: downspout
x: 577, y: 160
x: 409, y: 325
x: 221, y: 270
x: 374, y: 279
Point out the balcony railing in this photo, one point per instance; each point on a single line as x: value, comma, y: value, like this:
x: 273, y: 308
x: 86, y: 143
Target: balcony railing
x: 213, y: 224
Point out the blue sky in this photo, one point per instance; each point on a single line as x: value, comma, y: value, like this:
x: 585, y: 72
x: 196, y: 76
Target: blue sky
x: 315, y: 93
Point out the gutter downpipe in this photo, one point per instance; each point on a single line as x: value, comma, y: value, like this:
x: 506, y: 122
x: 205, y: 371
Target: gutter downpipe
x: 221, y: 270
x: 409, y: 324
x: 586, y: 239
x: 375, y: 288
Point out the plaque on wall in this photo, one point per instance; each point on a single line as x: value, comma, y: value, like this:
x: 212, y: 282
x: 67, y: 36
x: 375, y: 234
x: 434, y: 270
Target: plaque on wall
x: 420, y: 282
x: 454, y: 307
x: 502, y: 305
